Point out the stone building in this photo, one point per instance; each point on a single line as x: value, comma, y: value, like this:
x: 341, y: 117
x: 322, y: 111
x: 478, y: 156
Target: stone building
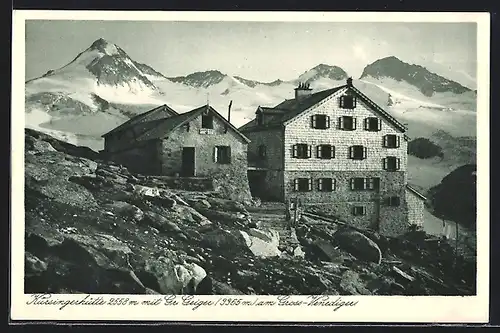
x: 335, y: 148
x: 198, y: 143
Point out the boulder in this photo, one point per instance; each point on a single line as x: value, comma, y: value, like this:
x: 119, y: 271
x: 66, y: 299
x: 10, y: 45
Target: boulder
x: 298, y: 252
x: 125, y: 209
x: 325, y: 251
x: 352, y: 284
x: 165, y: 276
x: 41, y: 146
x: 263, y: 246
x: 160, y: 222
x: 358, y: 245
x: 226, y: 241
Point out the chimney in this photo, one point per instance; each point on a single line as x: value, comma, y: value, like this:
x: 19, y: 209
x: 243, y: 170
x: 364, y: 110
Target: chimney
x: 349, y: 82
x: 302, y: 91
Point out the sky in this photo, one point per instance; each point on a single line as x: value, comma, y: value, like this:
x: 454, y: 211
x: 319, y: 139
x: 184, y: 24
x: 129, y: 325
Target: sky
x: 263, y: 51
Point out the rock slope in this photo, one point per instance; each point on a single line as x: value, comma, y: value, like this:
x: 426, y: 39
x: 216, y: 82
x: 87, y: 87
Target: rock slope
x: 94, y: 227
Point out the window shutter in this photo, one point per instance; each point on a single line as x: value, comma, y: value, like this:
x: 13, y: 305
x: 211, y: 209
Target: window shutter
x: 365, y: 181
x: 313, y: 121
x: 366, y: 120
x: 332, y: 152
x: 351, y: 152
x: 296, y: 184
x: 364, y: 152
x: 342, y: 101
x: 320, y: 184
x: 216, y: 154
x: 354, y: 123
x: 294, y: 151
x: 334, y: 184
x: 228, y: 154
x: 386, y: 141
x: 354, y: 101
x: 384, y: 162
x: 352, y: 183
x: 327, y: 121
x: 398, y: 141
x: 363, y: 210
x: 341, y: 122
x: 318, y: 151
x: 398, y: 163
x: 379, y: 124
x: 309, y: 184
x: 309, y: 151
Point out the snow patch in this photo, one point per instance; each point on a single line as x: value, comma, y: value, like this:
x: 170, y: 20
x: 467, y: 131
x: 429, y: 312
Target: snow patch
x: 111, y: 49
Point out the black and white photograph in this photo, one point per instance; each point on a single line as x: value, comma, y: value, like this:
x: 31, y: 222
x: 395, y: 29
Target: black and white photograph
x: 250, y: 158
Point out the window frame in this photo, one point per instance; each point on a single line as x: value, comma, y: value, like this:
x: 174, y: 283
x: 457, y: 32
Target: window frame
x: 295, y: 151
x: 391, y: 199
x: 219, y: 158
x: 262, y: 151
x: 397, y: 142
x: 314, y: 121
x: 319, y: 151
x: 364, y: 152
x: 332, y: 184
x: 297, y: 184
x: 368, y: 122
x: 203, y: 121
x: 342, y: 126
x: 342, y: 102
x: 356, y: 208
x: 397, y: 163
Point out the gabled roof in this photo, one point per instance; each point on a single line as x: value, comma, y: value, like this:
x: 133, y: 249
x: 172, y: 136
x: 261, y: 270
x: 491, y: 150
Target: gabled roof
x: 414, y: 191
x: 167, y: 125
x: 291, y: 108
x: 135, y: 120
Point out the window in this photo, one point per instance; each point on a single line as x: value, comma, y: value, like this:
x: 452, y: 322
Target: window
x: 325, y: 151
x: 320, y: 121
x: 347, y: 123
x: 260, y: 118
x: 207, y: 121
x: 302, y: 184
x: 373, y: 124
x: 358, y: 184
x: 347, y: 102
x: 358, y: 210
x: 393, y: 201
x: 326, y: 184
x: 262, y: 151
x: 391, y: 163
x: 357, y: 152
x: 222, y: 154
x: 301, y: 150
x: 391, y: 141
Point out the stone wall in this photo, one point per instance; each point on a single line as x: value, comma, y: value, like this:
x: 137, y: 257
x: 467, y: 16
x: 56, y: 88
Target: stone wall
x: 340, y: 202
x: 299, y: 131
x: 416, y: 206
x: 272, y: 139
x: 230, y: 179
x: 141, y: 158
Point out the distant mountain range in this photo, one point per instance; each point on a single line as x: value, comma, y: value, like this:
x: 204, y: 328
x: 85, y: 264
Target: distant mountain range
x: 103, y: 87
x: 427, y: 82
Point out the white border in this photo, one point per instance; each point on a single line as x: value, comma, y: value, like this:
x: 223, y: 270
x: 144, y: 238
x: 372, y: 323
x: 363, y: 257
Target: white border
x: 370, y: 308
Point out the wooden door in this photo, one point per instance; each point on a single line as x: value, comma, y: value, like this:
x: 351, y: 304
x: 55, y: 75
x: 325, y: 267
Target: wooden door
x: 188, y: 162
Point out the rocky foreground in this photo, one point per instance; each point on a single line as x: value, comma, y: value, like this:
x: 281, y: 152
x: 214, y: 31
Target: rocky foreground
x: 93, y: 227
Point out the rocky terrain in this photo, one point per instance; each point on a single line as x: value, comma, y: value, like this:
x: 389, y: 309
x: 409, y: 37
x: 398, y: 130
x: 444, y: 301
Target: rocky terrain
x: 93, y: 227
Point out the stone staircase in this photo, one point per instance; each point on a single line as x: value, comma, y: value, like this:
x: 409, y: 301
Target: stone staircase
x: 274, y: 218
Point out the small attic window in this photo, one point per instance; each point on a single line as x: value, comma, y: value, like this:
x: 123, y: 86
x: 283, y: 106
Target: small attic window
x: 207, y: 121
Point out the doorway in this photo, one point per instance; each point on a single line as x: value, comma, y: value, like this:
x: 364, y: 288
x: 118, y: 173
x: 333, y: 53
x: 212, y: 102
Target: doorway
x: 188, y: 162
